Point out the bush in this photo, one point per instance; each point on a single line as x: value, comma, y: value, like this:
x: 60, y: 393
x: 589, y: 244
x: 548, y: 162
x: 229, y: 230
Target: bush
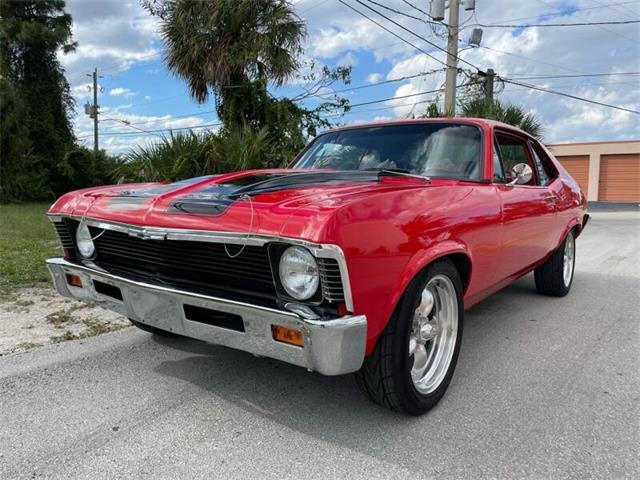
x: 184, y: 155
x: 82, y: 168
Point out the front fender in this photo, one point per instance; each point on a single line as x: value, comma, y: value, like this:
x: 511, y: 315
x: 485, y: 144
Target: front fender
x: 420, y: 260
x: 413, y: 267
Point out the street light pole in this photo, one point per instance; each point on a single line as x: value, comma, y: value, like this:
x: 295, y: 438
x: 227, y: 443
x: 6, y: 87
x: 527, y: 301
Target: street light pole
x: 452, y: 59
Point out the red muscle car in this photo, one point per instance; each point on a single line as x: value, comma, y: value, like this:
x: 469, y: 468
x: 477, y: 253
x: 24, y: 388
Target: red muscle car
x: 362, y: 257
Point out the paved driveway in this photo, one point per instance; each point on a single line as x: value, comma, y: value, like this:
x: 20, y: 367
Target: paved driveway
x: 545, y: 388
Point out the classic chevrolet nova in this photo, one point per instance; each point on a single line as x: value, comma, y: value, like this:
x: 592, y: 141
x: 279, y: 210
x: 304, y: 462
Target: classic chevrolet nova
x: 361, y: 258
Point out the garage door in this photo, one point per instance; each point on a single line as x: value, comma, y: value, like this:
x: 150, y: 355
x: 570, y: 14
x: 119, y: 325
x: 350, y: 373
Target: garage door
x: 620, y: 178
x: 578, y: 168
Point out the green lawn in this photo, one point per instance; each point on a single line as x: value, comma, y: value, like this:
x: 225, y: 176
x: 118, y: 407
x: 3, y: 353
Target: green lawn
x: 27, y: 238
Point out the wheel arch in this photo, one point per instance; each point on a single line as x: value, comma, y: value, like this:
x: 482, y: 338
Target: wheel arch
x: 456, y: 253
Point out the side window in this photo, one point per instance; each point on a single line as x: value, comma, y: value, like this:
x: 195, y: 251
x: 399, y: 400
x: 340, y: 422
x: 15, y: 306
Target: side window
x: 547, y: 168
x: 498, y: 171
x: 543, y: 177
x: 513, y: 150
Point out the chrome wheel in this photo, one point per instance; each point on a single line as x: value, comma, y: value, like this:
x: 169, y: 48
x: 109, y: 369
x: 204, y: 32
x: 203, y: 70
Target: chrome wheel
x: 432, y: 341
x: 568, y: 260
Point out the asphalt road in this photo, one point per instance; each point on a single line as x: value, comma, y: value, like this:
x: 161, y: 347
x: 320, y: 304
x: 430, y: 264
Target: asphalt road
x: 545, y: 388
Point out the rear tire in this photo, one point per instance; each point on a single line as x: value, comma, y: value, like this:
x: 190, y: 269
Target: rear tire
x: 153, y: 330
x: 416, y: 355
x: 555, y: 276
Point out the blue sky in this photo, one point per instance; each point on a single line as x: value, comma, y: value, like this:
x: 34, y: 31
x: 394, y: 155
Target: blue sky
x: 122, y: 41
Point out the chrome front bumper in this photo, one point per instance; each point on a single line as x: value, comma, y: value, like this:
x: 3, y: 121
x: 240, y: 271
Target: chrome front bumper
x: 331, y: 347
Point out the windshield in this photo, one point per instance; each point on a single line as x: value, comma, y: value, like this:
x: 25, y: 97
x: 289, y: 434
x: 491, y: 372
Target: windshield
x: 445, y: 150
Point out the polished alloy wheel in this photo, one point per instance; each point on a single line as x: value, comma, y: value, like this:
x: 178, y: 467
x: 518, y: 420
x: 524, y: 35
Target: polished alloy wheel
x: 567, y: 264
x: 433, y: 335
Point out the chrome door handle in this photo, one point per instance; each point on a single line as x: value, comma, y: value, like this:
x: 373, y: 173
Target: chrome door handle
x: 550, y: 198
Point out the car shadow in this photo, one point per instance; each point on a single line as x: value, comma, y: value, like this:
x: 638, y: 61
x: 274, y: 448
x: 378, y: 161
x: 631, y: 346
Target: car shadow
x: 332, y: 408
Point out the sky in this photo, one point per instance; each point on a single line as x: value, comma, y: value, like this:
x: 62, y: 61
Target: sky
x: 123, y: 42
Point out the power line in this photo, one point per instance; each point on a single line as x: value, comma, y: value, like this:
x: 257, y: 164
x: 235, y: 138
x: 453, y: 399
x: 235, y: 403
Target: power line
x: 599, y: 26
x: 161, y: 119
x: 531, y: 77
x: 322, y: 2
x: 128, y: 124
x: 412, y: 33
x: 379, y: 109
x: 511, y: 54
x: 579, y: 24
x: 579, y: 85
x: 424, y: 12
x: 112, y: 134
x: 404, y: 14
x: 391, y: 32
x: 555, y: 92
x: 623, y: 10
x: 385, y: 82
x: 561, y: 13
x: 371, y: 102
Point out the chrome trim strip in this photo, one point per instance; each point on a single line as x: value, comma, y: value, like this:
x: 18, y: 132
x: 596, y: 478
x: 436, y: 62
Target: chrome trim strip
x: 320, y: 250
x: 332, y: 347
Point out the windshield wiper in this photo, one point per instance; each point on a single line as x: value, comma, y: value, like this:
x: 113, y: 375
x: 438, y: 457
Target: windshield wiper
x: 397, y: 172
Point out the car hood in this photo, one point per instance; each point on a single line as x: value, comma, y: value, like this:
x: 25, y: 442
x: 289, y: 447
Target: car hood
x: 283, y: 202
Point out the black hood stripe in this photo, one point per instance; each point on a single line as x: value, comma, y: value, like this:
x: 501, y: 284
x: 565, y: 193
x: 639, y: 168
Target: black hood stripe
x: 217, y: 197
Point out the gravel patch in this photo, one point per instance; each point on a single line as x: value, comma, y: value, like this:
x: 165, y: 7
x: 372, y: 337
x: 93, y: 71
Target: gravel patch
x: 36, y: 316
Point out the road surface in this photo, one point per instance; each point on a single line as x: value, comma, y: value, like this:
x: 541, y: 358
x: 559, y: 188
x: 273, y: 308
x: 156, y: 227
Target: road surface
x: 545, y: 388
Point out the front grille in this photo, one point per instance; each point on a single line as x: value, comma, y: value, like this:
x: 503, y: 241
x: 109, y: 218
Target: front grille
x: 197, y: 265
x: 64, y: 235
x: 202, y: 267
x: 331, y: 280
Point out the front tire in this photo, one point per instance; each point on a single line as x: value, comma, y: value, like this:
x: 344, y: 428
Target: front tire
x: 555, y: 276
x: 416, y: 355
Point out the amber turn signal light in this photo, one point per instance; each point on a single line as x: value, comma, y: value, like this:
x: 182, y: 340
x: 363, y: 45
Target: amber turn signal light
x: 74, y: 280
x: 287, y: 335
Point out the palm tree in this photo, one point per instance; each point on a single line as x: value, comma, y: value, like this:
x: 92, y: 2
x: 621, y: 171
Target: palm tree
x: 506, y: 113
x: 480, y: 107
x: 218, y: 45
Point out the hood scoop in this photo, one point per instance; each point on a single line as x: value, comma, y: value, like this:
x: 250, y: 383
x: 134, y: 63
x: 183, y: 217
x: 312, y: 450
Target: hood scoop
x: 216, y: 198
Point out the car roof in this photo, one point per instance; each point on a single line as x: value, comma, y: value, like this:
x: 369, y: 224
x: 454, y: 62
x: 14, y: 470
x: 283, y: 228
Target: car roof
x: 482, y: 122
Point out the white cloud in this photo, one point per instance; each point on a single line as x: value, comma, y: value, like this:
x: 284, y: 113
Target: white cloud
x: 121, y: 92
x: 349, y: 60
x: 111, y: 35
x: 374, y: 77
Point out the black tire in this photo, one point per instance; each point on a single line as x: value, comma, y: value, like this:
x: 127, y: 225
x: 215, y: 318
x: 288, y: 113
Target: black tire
x: 385, y: 376
x: 153, y: 330
x: 549, y: 276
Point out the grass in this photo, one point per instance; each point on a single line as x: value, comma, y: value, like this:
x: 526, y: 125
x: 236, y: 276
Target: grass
x: 25, y: 347
x: 27, y: 239
x: 94, y: 326
x: 61, y: 317
x: 65, y: 337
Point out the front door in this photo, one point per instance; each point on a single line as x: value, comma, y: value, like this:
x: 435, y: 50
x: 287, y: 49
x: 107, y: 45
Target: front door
x: 528, y: 211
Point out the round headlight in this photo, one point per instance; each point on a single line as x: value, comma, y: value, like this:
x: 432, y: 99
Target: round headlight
x: 299, y: 273
x: 84, y: 242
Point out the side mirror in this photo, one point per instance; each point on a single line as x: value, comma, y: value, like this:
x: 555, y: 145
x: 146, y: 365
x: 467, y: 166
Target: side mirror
x: 522, y: 174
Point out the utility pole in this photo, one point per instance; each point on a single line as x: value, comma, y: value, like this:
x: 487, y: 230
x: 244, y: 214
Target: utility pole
x: 488, y: 84
x: 452, y: 59
x: 92, y: 110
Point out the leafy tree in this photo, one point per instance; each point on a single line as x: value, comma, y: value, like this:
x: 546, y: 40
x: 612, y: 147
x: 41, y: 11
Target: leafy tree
x: 507, y: 113
x: 236, y: 49
x: 35, y: 126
